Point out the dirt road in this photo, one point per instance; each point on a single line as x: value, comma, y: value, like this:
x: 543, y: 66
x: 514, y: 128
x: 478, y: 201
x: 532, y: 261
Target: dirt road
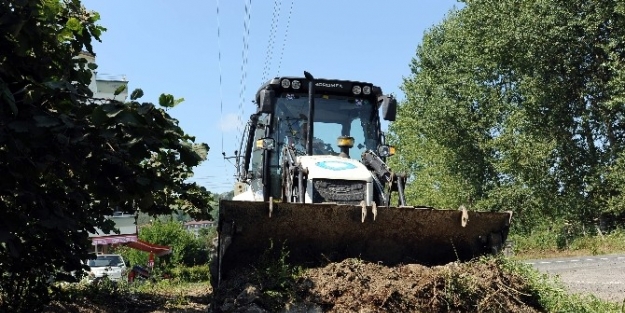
x: 603, y: 275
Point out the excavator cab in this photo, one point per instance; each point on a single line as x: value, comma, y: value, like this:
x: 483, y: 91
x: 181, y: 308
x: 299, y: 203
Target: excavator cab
x: 344, y: 119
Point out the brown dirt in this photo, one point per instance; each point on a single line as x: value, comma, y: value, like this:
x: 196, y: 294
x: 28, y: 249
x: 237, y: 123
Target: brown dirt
x: 348, y: 286
x: 357, y: 286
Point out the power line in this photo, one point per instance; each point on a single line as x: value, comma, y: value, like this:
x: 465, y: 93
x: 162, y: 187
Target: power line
x: 286, y: 33
x: 247, y: 17
x: 221, y: 101
x: 221, y: 97
x: 272, y: 31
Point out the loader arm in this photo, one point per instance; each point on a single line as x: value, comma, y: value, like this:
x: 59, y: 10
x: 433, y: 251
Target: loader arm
x: 386, y: 180
x: 293, y: 177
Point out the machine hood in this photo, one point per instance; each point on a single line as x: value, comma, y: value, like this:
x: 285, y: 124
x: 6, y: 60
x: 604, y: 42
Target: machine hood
x: 334, y: 167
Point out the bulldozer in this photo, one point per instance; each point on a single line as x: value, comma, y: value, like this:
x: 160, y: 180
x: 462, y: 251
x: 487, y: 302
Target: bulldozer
x: 312, y: 175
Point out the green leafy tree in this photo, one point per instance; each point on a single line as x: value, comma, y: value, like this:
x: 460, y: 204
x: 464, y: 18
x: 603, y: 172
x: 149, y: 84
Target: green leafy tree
x: 67, y: 160
x: 228, y: 195
x: 518, y: 105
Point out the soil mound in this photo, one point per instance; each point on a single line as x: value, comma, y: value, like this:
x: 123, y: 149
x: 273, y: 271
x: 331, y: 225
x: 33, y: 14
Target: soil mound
x: 357, y: 286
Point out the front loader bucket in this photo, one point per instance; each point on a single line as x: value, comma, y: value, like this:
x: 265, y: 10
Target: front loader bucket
x: 318, y: 233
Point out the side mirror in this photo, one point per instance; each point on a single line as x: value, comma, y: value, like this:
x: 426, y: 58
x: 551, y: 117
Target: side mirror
x: 266, y: 143
x: 386, y: 151
x: 389, y: 108
x: 265, y: 101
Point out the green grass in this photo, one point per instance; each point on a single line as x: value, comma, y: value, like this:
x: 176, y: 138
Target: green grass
x: 564, y: 240
x: 169, y: 294
x: 276, y: 277
x: 553, y: 295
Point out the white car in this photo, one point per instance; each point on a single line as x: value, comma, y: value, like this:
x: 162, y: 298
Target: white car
x: 111, y: 266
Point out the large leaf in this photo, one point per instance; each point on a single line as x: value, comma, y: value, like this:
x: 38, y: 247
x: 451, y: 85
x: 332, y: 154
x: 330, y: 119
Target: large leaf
x: 20, y: 126
x: 73, y: 24
x: 120, y: 89
x: 168, y: 101
x: 7, y: 97
x: 99, y: 116
x: 45, y: 121
x: 201, y: 149
x: 136, y: 94
x: 145, y: 108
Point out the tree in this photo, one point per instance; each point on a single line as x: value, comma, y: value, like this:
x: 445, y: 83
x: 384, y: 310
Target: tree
x: 68, y: 161
x: 518, y: 105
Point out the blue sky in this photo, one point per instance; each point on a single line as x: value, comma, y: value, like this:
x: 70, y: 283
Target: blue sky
x: 165, y: 47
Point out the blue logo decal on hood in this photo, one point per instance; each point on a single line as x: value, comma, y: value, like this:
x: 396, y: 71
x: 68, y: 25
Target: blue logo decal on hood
x: 336, y: 165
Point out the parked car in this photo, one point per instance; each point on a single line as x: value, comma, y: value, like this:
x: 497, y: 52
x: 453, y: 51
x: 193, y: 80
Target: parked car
x: 111, y: 266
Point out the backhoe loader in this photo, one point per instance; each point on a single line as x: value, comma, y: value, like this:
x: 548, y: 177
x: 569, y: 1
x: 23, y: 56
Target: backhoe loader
x: 312, y: 175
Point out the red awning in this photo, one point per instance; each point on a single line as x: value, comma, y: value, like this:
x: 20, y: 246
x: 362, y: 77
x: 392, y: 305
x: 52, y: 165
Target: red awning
x: 149, y: 247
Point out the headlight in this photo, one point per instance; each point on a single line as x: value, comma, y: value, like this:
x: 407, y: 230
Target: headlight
x: 356, y: 90
x: 366, y: 90
x: 296, y: 84
x: 285, y: 83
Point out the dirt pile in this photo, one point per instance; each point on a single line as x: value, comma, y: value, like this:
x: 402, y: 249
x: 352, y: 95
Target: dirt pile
x: 357, y: 286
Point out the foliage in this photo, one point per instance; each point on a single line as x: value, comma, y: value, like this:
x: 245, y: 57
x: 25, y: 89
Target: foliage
x: 69, y: 160
x: 101, y: 292
x: 276, y: 277
x: 566, y: 239
x: 228, y: 195
x: 197, y: 273
x: 169, y: 295
x: 186, y: 249
x: 518, y: 105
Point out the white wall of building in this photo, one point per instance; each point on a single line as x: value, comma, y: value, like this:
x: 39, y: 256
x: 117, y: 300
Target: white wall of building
x: 103, y: 86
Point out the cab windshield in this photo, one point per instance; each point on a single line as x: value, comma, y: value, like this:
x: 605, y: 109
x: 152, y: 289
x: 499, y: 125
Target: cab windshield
x: 334, y: 116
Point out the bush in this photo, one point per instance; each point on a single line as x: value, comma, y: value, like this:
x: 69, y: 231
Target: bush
x: 569, y: 238
x: 186, y: 249
x: 193, y: 274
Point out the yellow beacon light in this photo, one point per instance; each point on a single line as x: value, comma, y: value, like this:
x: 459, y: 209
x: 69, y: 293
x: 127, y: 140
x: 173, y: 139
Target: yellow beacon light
x: 391, y: 150
x: 265, y: 143
x: 345, y: 141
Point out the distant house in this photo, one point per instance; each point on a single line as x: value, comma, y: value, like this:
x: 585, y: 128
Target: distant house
x: 125, y: 223
x: 104, y: 85
x: 195, y: 226
x: 128, y: 236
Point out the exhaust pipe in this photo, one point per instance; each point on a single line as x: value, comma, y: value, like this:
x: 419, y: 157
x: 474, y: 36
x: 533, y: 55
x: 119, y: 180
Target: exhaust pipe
x: 311, y: 112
